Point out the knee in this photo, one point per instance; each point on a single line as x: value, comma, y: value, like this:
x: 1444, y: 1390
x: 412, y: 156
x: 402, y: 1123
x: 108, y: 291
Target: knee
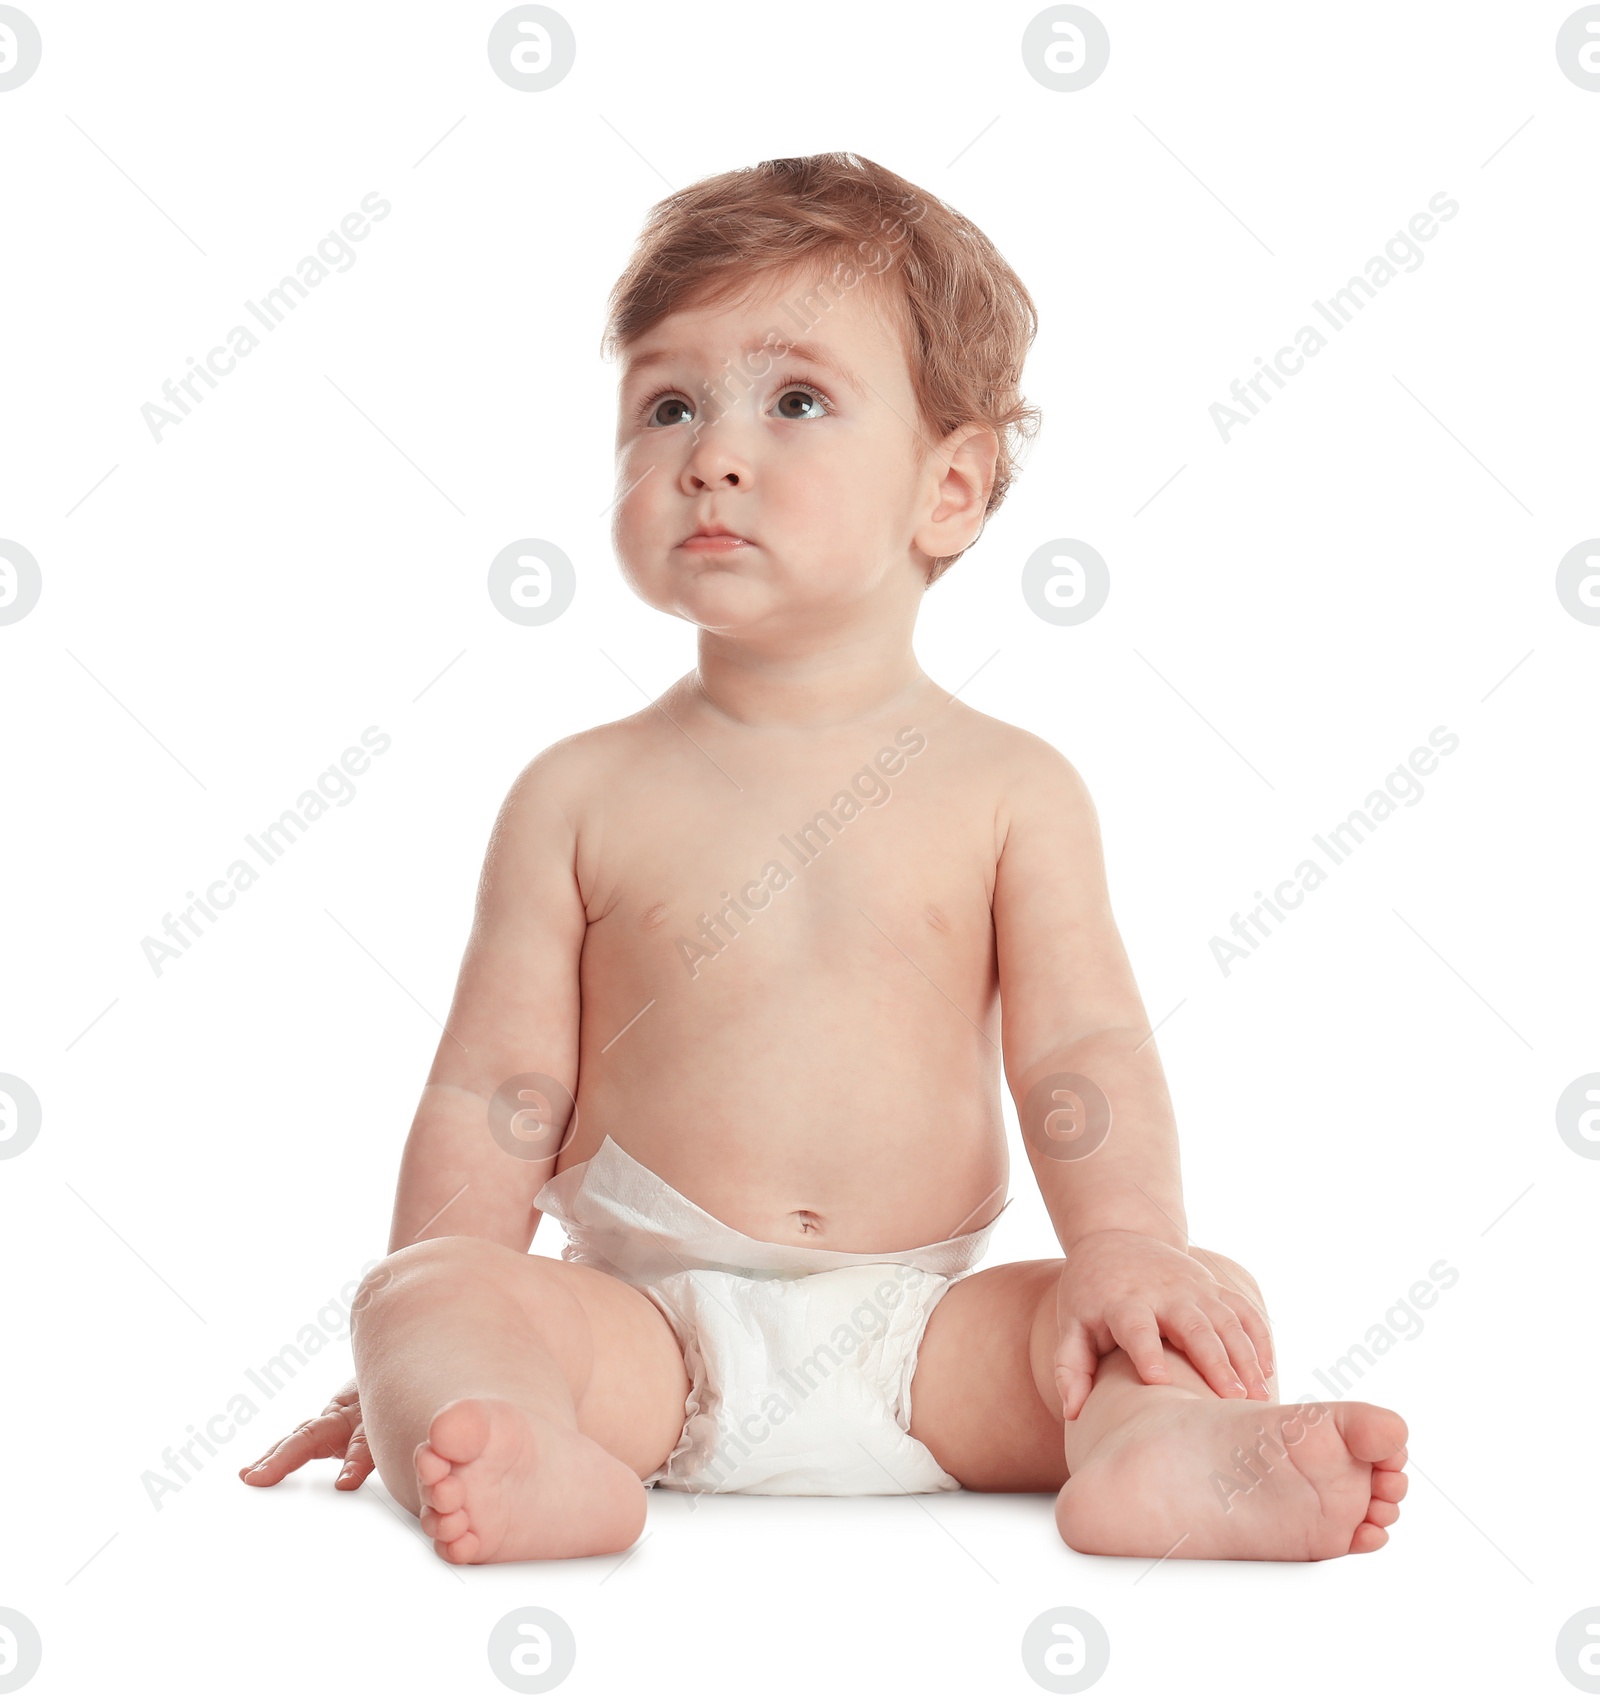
x: 428, y: 1266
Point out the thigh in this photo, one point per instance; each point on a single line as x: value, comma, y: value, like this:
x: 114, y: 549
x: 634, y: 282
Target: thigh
x: 610, y: 1344
x: 976, y: 1400
x: 631, y: 1386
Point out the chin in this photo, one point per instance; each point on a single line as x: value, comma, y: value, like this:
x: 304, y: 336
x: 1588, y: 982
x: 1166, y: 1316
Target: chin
x: 721, y: 598
x: 721, y: 610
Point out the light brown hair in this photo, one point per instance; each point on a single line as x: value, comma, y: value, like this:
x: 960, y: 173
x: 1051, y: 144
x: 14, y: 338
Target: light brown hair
x: 963, y: 315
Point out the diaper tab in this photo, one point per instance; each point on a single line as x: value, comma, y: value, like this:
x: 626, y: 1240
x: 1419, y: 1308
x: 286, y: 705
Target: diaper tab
x: 621, y: 1217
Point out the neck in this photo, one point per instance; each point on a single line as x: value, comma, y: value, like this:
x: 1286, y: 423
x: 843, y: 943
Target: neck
x: 832, y: 685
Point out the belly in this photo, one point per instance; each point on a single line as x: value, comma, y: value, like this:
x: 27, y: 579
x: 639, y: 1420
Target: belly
x: 826, y: 1080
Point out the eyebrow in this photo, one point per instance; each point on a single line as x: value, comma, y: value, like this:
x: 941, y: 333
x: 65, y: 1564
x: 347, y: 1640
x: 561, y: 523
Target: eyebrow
x: 813, y: 354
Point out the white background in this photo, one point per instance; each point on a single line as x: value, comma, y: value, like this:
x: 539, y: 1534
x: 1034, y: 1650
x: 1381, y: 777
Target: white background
x: 225, y: 611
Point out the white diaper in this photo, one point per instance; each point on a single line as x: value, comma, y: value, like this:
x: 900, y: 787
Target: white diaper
x: 800, y: 1360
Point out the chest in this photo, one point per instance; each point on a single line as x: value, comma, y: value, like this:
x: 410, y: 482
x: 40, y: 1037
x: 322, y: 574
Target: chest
x: 816, y: 851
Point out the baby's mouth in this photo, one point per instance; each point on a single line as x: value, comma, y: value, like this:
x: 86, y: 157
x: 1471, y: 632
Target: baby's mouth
x: 715, y: 543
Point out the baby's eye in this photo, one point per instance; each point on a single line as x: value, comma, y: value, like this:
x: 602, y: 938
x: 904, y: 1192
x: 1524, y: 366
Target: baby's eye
x: 661, y: 405
x: 796, y: 401
x: 799, y: 394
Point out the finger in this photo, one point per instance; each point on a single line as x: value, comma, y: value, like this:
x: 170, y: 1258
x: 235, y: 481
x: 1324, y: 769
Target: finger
x: 1390, y: 1485
x: 1241, y: 1350
x: 1255, y: 1326
x: 317, y: 1438
x: 357, y: 1465
x: 278, y: 1461
x: 1138, y: 1333
x: 1075, y: 1365
x: 1205, y: 1351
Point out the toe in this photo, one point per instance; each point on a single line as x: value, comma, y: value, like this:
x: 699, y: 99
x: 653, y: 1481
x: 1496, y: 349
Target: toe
x: 448, y: 1494
x: 1368, y: 1538
x: 1373, y: 1434
x: 460, y: 1431
x: 1389, y: 1485
x: 430, y: 1466
x: 460, y: 1551
x: 1382, y: 1513
x: 445, y: 1526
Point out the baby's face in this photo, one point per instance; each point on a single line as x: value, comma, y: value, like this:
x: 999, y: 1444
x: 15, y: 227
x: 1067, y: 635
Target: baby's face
x: 807, y: 449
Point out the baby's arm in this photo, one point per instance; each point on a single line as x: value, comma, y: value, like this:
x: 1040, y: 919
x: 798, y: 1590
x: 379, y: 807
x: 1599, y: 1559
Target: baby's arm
x: 1069, y: 1005
x: 1104, y: 1146
x: 515, y: 1013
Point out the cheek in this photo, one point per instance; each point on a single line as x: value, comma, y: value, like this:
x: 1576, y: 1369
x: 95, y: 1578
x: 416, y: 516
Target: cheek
x: 828, y: 480
x: 633, y: 538
x: 644, y: 483
x: 851, y: 497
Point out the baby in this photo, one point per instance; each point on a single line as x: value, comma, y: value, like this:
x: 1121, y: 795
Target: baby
x: 744, y: 972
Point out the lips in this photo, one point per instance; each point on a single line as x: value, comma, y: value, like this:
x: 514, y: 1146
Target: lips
x: 715, y: 539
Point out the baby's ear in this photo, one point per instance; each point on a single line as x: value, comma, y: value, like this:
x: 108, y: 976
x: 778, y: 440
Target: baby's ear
x: 964, y: 465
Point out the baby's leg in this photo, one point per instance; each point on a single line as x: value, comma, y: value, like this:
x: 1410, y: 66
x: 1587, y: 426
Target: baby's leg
x: 1175, y: 1468
x: 1150, y: 1468
x: 515, y: 1402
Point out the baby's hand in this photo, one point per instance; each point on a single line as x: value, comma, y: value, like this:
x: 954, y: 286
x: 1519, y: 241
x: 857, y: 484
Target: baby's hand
x: 1122, y: 1289
x: 338, y: 1431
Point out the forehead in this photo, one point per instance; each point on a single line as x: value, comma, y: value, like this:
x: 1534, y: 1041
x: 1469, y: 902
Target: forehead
x: 800, y: 313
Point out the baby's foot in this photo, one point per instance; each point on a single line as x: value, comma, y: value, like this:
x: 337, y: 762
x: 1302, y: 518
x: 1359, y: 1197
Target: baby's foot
x: 496, y: 1482
x: 1177, y: 1479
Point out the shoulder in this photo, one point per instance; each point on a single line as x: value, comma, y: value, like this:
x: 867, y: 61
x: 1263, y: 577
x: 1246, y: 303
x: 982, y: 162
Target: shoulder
x: 1031, y: 779
x: 573, y: 771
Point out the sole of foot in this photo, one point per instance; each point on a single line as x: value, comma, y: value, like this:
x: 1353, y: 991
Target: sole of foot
x: 496, y: 1482
x: 1237, y: 1479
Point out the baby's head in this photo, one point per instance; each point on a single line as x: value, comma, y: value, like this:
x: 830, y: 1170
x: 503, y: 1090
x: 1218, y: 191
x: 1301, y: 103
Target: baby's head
x: 824, y: 360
